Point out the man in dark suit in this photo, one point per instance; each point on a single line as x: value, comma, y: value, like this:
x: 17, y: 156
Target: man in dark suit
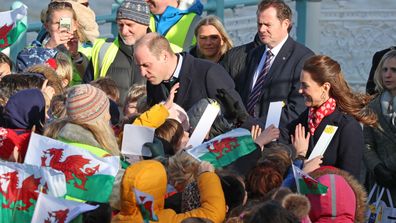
x: 370, y: 86
x: 274, y: 76
x: 198, y: 78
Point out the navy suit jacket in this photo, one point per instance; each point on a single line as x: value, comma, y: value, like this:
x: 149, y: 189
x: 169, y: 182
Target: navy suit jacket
x: 198, y: 79
x: 282, y: 82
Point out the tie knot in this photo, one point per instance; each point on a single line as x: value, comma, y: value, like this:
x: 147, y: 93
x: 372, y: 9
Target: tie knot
x: 269, y: 54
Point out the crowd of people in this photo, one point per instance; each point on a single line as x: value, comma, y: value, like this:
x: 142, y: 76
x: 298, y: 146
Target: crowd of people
x: 166, y: 65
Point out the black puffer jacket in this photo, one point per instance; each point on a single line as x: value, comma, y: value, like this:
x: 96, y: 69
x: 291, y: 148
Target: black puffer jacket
x: 123, y: 70
x: 234, y: 61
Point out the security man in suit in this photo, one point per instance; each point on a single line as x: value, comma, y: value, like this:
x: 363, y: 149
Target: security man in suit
x: 273, y: 69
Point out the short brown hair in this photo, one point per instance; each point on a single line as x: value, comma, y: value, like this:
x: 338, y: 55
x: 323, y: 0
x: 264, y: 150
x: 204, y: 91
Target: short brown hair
x: 172, y: 131
x: 155, y: 43
x: 109, y: 86
x: 283, y: 11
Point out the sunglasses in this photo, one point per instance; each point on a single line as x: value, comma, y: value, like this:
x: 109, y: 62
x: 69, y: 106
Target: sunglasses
x: 59, y: 5
x: 86, y: 4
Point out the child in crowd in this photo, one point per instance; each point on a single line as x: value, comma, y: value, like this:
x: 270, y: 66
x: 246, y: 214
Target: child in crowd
x: 5, y: 65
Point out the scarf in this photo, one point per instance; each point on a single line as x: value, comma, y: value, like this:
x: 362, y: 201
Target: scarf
x: 316, y: 115
x: 387, y: 106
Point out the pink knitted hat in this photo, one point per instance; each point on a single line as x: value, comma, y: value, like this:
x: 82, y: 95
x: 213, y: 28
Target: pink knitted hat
x: 85, y: 103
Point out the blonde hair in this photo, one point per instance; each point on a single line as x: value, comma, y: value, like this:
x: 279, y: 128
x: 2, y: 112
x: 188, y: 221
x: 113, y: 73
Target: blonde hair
x: 50, y: 74
x: 54, y: 6
x: 212, y: 20
x: 182, y: 168
x: 100, y: 129
x: 379, y: 83
x: 64, y: 67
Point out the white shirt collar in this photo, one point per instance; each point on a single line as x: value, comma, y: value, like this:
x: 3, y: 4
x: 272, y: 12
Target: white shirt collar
x: 176, y: 74
x: 278, y: 47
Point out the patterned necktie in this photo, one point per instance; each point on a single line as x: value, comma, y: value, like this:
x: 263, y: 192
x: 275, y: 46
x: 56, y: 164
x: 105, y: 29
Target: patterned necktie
x: 254, y: 95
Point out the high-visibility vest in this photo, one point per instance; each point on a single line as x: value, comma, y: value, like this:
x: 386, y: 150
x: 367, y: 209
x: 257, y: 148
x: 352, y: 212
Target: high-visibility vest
x: 181, y: 35
x: 103, y: 54
x: 85, y: 49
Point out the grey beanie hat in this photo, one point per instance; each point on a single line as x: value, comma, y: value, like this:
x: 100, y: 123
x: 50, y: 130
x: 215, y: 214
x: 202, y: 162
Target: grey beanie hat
x: 136, y: 10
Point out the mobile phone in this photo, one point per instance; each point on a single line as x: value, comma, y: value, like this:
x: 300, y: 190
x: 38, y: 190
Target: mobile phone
x: 65, y: 22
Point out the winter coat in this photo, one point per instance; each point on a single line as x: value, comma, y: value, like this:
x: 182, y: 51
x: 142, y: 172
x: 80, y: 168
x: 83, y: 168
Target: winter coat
x: 82, y: 138
x: 149, y: 176
x: 345, y: 200
x: 380, y: 145
x: 123, y: 70
x: 234, y: 61
x: 154, y: 117
x: 345, y: 150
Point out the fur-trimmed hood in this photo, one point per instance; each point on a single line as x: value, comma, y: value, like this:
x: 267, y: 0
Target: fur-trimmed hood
x: 344, y: 198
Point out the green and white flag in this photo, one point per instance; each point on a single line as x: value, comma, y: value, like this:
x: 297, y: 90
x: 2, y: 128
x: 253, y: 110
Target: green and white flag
x: 20, y: 185
x: 50, y: 209
x: 88, y: 177
x: 12, y: 26
x: 306, y: 184
x: 226, y: 148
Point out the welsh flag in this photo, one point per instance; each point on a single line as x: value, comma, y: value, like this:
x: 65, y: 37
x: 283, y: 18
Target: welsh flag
x: 50, y: 209
x: 12, y: 25
x: 226, y: 148
x: 88, y: 177
x: 306, y: 184
x: 146, y: 203
x: 20, y: 185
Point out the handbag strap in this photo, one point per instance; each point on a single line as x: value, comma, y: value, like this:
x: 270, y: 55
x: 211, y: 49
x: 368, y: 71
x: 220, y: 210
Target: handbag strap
x: 371, y: 193
x: 389, y: 197
x: 377, y: 202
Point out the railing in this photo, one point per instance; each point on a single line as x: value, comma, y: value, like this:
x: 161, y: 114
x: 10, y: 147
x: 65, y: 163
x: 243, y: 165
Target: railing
x: 215, y: 7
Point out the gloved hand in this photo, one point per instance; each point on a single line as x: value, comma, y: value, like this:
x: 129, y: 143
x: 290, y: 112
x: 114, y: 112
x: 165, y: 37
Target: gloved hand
x: 233, y: 110
x: 383, y: 176
x: 156, y: 148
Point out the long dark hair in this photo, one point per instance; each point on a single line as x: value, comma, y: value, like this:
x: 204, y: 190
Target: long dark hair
x: 324, y: 69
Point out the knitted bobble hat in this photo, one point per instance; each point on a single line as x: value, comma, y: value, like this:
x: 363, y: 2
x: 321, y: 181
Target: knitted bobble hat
x: 85, y: 103
x: 136, y: 10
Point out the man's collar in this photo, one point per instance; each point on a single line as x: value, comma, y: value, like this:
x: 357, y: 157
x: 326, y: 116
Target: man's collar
x: 176, y: 73
x: 178, y: 67
x: 278, y: 47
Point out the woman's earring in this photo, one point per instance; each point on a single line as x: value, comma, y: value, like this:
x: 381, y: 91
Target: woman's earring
x: 323, y: 97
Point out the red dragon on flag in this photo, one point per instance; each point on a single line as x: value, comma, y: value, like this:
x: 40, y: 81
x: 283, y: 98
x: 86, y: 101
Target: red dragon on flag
x: 4, y: 30
x: 21, y: 197
x: 226, y: 143
x: 72, y: 166
x: 59, y: 216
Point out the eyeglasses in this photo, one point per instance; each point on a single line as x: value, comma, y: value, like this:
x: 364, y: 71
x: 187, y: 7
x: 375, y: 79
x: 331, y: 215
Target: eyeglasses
x: 59, y: 5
